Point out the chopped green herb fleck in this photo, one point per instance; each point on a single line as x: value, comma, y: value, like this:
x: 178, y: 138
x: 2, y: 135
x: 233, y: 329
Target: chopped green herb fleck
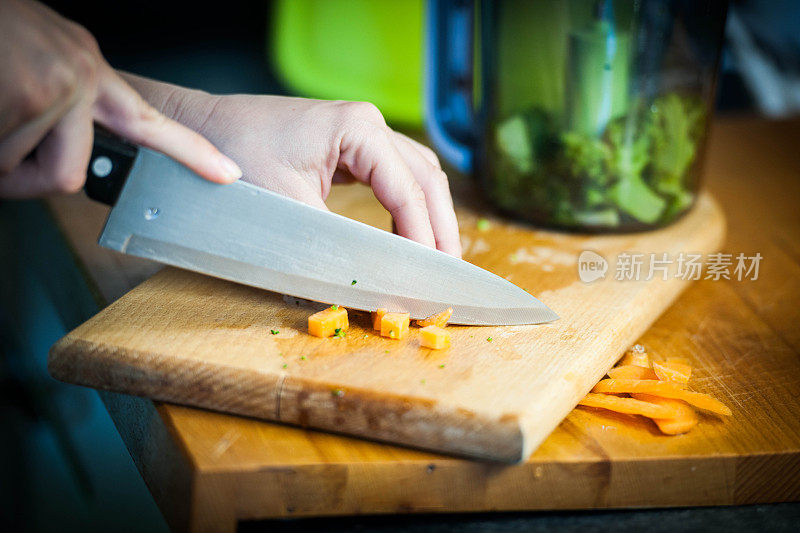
x: 338, y: 393
x: 365, y: 335
x: 441, y: 366
x: 422, y: 381
x: 302, y: 357
x: 483, y: 224
x: 386, y: 351
x: 489, y: 339
x: 391, y: 333
x: 334, y: 307
x: 339, y: 333
x: 285, y: 365
x: 353, y: 282
x: 274, y: 331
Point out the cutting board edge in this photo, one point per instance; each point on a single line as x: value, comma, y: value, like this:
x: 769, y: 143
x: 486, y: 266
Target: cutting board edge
x: 292, y: 400
x: 82, y: 362
x: 407, y: 420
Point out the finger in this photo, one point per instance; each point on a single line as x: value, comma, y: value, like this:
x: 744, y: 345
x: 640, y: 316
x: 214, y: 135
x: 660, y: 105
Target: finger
x: 437, y: 196
x: 292, y: 186
x: 59, y: 163
x: 370, y: 156
x: 124, y: 112
x: 20, y: 142
x: 426, y: 152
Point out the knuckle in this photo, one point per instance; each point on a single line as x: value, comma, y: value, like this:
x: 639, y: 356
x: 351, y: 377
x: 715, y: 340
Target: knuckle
x: 364, y: 111
x: 143, y: 119
x: 417, y: 196
x: 85, y: 64
x: 57, y: 81
x: 85, y: 39
x: 441, y: 178
x: 433, y: 158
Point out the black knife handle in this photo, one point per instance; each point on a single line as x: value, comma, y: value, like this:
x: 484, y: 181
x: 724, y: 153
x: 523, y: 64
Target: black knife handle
x: 109, y: 166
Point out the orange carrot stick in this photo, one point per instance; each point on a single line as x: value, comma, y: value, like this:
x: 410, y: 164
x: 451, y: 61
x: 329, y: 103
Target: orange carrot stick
x: 685, y: 419
x: 665, y: 389
x: 629, y: 406
x: 636, y: 355
x: 672, y: 371
x: 439, y: 319
x: 631, y: 372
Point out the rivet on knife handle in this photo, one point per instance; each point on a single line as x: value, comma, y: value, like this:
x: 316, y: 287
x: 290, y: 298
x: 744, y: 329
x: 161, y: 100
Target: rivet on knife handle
x: 111, y: 161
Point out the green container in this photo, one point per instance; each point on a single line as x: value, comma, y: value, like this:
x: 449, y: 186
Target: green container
x: 369, y: 50
x: 588, y: 115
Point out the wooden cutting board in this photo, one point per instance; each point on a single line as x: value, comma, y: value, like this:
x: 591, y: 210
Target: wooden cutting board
x: 495, y: 394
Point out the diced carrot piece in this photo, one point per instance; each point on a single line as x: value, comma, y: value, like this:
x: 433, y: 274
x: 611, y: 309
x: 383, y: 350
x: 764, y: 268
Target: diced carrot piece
x: 683, y: 421
x: 631, y: 372
x: 665, y: 389
x: 672, y: 371
x: 395, y: 325
x: 326, y: 322
x: 439, y: 319
x: 434, y: 337
x: 377, y: 315
x: 629, y: 406
x: 636, y: 356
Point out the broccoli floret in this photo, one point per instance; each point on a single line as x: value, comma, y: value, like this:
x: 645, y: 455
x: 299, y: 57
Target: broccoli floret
x: 586, y: 157
x: 630, y: 156
x: 673, y: 128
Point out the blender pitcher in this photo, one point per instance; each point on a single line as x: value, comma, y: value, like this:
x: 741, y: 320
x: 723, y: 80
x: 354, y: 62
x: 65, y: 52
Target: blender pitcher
x: 588, y: 115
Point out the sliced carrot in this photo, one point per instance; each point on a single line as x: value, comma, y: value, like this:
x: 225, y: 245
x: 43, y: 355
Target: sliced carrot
x: 629, y: 406
x: 434, y: 337
x: 672, y: 371
x: 636, y: 356
x: 631, y: 372
x: 665, y: 389
x: 395, y: 325
x: 683, y: 421
x: 326, y: 322
x: 377, y: 315
x: 439, y: 319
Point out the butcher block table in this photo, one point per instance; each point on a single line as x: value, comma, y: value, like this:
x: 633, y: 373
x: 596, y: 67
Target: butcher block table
x: 208, y: 470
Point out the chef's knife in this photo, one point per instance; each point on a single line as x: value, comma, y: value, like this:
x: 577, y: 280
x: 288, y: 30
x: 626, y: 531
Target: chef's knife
x: 163, y: 211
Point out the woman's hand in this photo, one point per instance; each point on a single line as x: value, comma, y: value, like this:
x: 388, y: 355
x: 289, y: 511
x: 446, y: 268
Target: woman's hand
x: 298, y: 147
x: 53, y: 84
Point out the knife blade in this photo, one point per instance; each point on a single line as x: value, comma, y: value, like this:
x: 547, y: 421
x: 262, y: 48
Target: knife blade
x: 163, y: 211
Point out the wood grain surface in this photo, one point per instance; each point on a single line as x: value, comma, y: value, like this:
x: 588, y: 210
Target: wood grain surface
x: 496, y: 393
x: 207, y: 470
